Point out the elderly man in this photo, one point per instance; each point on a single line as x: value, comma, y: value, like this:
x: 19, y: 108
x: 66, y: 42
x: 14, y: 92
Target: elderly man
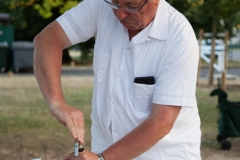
x: 145, y: 68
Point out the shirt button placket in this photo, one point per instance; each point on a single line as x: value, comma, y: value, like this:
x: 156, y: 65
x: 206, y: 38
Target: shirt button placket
x: 113, y: 126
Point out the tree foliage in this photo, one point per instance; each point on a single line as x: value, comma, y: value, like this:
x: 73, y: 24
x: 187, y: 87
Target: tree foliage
x: 31, y: 16
x: 221, y: 11
x: 46, y: 7
x: 26, y: 20
x: 210, y: 15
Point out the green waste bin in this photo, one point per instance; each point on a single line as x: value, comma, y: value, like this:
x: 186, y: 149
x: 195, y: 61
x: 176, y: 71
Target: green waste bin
x: 3, y: 56
x: 6, y: 40
x: 7, y: 35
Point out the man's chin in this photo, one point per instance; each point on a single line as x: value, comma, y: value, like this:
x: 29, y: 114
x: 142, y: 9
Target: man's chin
x: 129, y: 26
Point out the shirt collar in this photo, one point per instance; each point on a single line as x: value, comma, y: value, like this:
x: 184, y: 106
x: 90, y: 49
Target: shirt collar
x: 159, y: 28
x: 141, y: 37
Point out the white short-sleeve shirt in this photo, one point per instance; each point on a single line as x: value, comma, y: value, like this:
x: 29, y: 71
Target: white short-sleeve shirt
x: 166, y: 49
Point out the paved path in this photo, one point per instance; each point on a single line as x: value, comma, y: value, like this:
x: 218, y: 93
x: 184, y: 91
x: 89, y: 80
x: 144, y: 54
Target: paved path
x: 77, y: 71
x: 231, y: 71
x: 88, y: 71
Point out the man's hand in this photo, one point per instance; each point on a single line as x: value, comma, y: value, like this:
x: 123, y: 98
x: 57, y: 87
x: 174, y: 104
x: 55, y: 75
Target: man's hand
x: 70, y: 117
x: 85, y: 155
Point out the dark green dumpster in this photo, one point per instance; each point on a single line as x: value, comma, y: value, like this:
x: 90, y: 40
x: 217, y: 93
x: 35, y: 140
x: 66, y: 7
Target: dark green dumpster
x: 7, y: 34
x: 6, y: 40
x: 3, y: 56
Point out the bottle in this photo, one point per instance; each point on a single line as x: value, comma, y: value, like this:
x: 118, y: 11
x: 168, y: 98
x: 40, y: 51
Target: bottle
x: 77, y: 148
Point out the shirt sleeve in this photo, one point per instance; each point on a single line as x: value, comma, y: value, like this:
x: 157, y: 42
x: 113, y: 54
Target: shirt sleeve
x: 79, y: 23
x: 176, y: 79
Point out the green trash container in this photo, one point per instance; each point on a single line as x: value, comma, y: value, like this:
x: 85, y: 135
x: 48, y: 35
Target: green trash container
x: 3, y: 56
x: 6, y: 40
x: 7, y: 34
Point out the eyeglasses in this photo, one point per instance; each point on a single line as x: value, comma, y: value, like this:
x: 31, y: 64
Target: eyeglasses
x: 134, y: 10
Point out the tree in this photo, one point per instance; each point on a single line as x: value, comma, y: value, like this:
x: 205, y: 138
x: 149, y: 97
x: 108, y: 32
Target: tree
x: 46, y: 7
x: 26, y: 20
x: 31, y: 16
x: 210, y: 15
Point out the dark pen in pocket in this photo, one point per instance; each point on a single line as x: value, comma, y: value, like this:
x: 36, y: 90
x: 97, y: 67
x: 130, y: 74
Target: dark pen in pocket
x: 149, y: 80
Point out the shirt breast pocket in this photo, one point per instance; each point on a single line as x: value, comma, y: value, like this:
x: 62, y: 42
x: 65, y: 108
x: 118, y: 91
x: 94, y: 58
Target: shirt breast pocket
x: 100, y: 64
x: 143, y: 98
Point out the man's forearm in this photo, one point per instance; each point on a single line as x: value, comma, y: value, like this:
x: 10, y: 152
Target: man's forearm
x: 136, y: 142
x: 143, y: 137
x: 48, y: 61
x: 47, y: 72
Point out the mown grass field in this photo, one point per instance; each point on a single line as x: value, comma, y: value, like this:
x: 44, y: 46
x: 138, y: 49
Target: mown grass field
x: 28, y: 130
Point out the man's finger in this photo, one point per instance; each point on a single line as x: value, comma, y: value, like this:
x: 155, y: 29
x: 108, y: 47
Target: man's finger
x: 77, y: 128
x: 81, y: 131
x: 71, y: 127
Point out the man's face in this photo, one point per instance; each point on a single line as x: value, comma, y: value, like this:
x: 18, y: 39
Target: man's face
x: 139, y: 21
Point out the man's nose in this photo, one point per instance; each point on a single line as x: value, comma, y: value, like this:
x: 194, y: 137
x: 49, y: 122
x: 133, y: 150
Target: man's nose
x: 121, y: 14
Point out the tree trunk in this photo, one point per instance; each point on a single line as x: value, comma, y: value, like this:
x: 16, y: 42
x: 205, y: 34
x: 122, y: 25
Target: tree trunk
x: 212, y: 57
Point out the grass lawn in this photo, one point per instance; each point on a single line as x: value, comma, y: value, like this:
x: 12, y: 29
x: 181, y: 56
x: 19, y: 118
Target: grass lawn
x: 28, y: 130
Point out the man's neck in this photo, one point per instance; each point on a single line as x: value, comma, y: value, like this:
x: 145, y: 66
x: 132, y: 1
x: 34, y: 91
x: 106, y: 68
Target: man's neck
x: 132, y: 33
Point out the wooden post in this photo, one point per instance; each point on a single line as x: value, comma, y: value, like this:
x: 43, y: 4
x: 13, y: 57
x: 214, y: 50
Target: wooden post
x: 212, y: 57
x: 201, y: 34
x: 214, y: 34
x: 72, y: 64
x: 224, y: 73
